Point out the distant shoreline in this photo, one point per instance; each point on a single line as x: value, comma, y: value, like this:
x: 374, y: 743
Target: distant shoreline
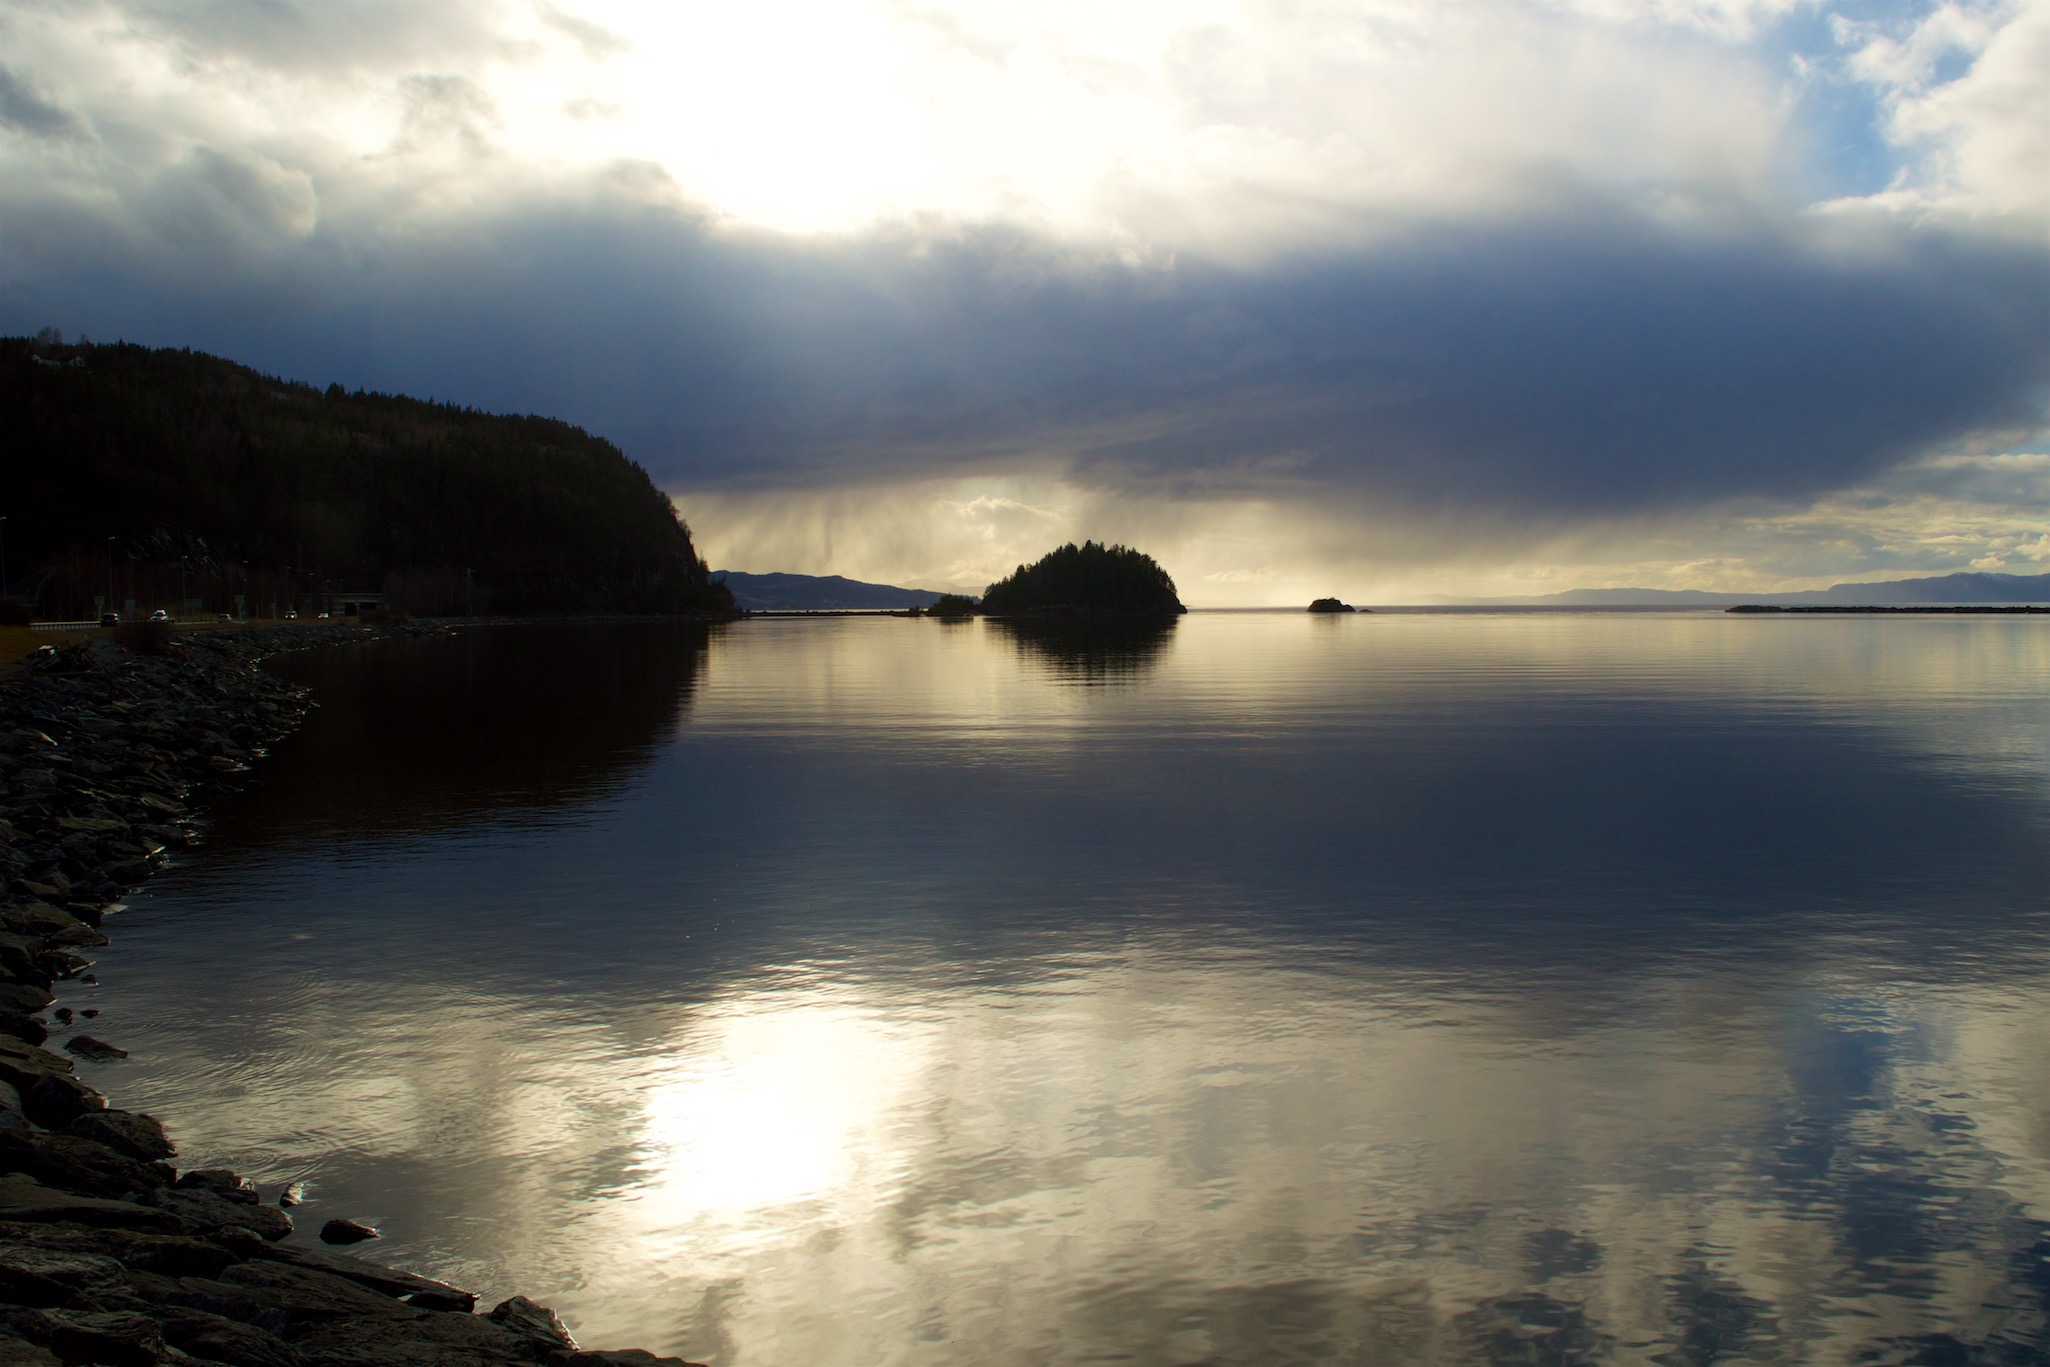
x: 1938, y: 609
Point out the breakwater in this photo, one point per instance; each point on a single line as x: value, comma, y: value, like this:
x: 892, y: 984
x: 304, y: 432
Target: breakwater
x: 108, y: 1252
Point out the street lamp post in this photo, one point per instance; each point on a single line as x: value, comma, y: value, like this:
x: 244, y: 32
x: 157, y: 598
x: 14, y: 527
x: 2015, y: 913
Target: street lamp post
x: 110, y: 574
x: 3, y: 558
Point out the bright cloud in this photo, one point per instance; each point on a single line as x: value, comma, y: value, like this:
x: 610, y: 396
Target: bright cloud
x: 1196, y: 121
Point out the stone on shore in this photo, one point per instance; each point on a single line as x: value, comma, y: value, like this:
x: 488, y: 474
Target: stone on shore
x: 307, y: 1296
x: 24, y: 1198
x: 85, y: 1046
x: 51, y: 924
x: 202, y: 1213
x: 346, y: 1232
x: 243, y: 1243
x: 616, y: 1357
x: 23, y: 1027
x: 138, y: 1136
x: 56, y: 1099
x: 426, y: 1340
x: 23, y: 1065
x: 222, y: 1182
x: 117, y: 1338
x: 79, y: 1164
x: 217, y: 1338
x: 167, y: 1255
x: 19, y: 1352
x: 377, y: 1277
x: 41, y: 1278
x: 535, y: 1321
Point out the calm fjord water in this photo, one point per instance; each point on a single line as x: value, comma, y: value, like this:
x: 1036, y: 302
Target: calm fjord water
x: 1265, y: 989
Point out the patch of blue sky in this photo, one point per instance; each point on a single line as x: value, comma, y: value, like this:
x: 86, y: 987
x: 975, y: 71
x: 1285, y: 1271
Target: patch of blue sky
x: 1839, y: 117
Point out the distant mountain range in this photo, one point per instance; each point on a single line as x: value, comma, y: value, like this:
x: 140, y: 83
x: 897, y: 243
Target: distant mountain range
x: 817, y: 592
x: 1946, y: 588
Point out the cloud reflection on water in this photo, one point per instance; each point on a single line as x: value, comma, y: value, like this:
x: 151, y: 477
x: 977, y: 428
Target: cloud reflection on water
x: 801, y: 1045
x: 1185, y: 1157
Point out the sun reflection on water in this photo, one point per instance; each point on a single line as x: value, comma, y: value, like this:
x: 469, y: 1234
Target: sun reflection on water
x: 776, y: 1110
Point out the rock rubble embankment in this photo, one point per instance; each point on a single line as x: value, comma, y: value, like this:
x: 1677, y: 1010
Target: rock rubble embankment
x: 108, y: 1253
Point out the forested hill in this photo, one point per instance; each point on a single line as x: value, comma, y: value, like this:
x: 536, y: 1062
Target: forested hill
x: 1089, y: 578
x: 213, y: 480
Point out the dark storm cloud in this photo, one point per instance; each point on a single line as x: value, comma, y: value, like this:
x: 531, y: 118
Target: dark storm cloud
x: 1593, y: 362
x: 24, y: 111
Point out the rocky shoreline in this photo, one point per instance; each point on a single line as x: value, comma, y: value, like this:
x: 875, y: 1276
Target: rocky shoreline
x: 108, y: 1253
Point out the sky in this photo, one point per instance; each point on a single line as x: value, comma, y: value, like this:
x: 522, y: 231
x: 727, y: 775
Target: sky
x: 1396, y: 299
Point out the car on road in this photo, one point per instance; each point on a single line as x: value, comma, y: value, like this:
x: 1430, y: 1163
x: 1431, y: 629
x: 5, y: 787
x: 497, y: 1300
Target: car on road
x: 110, y: 619
x: 160, y: 616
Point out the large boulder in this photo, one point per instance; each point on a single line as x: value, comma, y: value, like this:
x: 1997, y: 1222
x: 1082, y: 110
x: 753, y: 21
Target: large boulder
x: 98, y: 1050
x: 309, y: 1297
x: 168, y: 1255
x: 23, y: 1027
x: 53, y: 1278
x: 24, y: 998
x: 24, y: 1198
x: 617, y: 1357
x: 417, y: 1290
x: 138, y: 1136
x: 346, y: 1232
x: 222, y: 1182
x: 78, y: 1164
x: 16, y: 1351
x: 203, y: 1213
x: 534, y: 1321
x: 426, y: 1341
x: 217, y: 1338
x: 56, y: 1099
x: 116, y: 1338
x: 23, y: 1065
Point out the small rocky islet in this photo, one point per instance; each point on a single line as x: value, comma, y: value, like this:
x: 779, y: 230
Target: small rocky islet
x: 108, y: 1253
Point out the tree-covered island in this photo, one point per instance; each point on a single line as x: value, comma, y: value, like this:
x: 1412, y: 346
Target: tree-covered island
x: 1090, y: 578
x: 953, y: 607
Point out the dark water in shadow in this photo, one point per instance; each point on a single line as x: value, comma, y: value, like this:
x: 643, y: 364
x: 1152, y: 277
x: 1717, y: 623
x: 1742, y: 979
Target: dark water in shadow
x: 1524, y: 989
x: 424, y: 734
x: 1087, y: 650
